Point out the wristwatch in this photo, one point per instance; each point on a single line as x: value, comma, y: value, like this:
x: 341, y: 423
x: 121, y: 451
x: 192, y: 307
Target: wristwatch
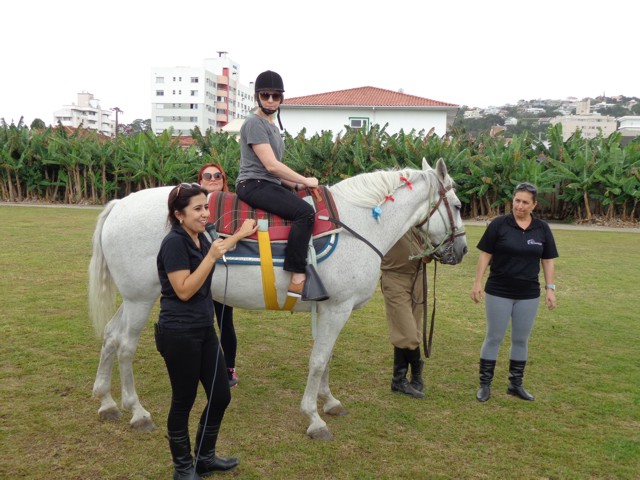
x: 552, y: 286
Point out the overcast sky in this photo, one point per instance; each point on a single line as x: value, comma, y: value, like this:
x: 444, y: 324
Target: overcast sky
x: 466, y: 52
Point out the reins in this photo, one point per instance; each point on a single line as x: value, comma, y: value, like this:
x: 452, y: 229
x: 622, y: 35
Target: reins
x: 352, y: 232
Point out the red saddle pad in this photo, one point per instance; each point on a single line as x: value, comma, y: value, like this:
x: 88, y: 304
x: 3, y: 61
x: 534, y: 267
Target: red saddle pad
x: 228, y: 212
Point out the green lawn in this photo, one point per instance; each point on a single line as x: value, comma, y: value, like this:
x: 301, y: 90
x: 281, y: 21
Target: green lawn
x: 584, y: 370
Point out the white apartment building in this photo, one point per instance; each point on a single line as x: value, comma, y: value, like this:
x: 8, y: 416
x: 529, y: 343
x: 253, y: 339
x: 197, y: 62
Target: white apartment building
x: 208, y: 97
x: 86, y: 114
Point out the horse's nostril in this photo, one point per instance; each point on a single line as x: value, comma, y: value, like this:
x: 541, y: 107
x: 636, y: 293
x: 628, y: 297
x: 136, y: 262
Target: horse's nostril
x: 465, y: 250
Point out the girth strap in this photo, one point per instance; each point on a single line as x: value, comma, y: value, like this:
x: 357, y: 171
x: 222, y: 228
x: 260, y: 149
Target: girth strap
x: 268, y: 275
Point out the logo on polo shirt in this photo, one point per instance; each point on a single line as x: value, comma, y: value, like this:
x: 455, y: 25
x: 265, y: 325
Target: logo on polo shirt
x: 531, y: 241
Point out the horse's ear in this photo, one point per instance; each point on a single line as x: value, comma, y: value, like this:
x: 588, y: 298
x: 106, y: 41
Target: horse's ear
x: 441, y: 170
x: 425, y: 164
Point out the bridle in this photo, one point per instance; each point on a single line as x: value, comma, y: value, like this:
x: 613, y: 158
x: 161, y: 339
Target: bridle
x: 432, y: 251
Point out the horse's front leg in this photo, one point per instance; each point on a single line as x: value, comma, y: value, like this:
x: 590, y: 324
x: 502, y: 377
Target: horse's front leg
x: 317, y: 364
x: 331, y: 319
x: 331, y: 405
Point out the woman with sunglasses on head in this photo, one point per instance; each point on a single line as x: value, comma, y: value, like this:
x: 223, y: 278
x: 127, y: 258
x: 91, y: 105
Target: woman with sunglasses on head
x: 213, y: 179
x: 265, y: 182
x: 514, y: 246
x: 185, y: 336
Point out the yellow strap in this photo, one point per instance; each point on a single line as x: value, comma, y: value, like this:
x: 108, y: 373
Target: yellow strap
x: 268, y: 275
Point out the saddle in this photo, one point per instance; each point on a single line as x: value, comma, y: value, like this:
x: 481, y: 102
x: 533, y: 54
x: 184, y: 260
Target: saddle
x: 227, y: 212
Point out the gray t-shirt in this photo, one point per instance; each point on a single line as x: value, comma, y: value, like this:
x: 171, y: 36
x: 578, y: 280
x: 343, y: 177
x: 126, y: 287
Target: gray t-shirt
x: 255, y: 131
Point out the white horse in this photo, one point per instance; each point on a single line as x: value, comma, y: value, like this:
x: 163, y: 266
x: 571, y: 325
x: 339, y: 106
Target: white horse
x: 128, y: 236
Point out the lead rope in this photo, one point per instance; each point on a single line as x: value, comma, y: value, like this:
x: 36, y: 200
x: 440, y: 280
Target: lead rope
x: 425, y: 315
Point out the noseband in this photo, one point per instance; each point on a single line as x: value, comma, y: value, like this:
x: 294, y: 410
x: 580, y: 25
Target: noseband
x: 453, y: 233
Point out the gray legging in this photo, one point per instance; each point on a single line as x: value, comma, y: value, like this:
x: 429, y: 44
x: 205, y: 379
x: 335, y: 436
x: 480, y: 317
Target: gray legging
x: 522, y: 314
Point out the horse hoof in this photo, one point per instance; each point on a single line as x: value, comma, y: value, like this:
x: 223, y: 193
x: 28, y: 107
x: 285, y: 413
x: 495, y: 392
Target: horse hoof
x: 322, y: 434
x: 337, y: 411
x: 109, y: 415
x: 144, y: 425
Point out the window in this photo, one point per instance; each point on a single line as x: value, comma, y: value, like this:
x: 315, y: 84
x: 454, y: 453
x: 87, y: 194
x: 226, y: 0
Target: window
x: 358, y: 122
x: 194, y: 106
x: 159, y: 79
x: 193, y: 119
x: 159, y: 93
x: 194, y: 93
x: 195, y: 79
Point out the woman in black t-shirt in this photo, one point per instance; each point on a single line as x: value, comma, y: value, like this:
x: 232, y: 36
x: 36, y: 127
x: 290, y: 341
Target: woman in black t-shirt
x: 514, y: 246
x: 184, y: 334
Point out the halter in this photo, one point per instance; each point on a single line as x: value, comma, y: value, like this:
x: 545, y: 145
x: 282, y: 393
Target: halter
x: 431, y: 250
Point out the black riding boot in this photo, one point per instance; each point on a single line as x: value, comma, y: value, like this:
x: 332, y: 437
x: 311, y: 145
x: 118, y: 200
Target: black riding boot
x: 416, y: 362
x: 206, y: 460
x: 181, y: 453
x: 399, y: 383
x: 486, y: 376
x: 516, y: 372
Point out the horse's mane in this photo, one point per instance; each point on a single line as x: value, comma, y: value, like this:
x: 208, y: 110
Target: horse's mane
x: 370, y: 189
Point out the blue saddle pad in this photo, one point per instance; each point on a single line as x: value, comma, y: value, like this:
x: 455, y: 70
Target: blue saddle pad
x: 246, y: 251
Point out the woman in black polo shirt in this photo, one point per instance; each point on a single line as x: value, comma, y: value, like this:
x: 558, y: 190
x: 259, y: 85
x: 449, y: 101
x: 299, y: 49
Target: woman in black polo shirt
x: 514, y: 246
x: 185, y: 336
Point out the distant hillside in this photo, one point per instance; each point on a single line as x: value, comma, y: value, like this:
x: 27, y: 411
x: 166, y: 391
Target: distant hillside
x: 534, y: 115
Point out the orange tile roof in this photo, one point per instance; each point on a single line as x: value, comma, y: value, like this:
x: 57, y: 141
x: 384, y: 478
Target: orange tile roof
x: 365, y: 97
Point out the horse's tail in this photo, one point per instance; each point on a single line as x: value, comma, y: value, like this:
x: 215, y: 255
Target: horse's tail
x: 102, y: 289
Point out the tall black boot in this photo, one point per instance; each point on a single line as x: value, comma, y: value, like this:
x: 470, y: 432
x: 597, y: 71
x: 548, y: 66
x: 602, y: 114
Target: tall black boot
x: 516, y: 372
x: 487, y: 368
x: 180, y: 447
x: 417, y: 363
x: 399, y: 383
x: 206, y: 460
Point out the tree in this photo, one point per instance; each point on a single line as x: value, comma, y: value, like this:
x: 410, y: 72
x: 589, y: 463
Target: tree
x: 38, y: 124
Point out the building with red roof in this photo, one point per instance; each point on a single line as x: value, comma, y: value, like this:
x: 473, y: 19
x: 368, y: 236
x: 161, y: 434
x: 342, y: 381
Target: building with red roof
x: 363, y: 107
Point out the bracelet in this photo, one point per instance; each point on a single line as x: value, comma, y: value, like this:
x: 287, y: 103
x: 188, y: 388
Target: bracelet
x: 551, y: 286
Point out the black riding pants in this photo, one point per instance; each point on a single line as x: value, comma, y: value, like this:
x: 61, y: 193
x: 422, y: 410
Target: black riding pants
x: 275, y: 198
x: 192, y: 357
x: 228, y: 339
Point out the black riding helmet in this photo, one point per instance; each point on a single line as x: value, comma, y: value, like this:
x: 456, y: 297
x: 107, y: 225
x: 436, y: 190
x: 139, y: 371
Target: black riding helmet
x: 271, y: 81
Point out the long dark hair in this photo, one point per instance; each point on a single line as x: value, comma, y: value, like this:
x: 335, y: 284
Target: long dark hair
x: 179, y: 199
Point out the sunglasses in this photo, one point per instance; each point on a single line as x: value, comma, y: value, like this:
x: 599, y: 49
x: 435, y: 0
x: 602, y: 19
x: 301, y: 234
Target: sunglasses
x: 265, y: 96
x: 526, y: 186
x: 187, y: 186
x: 209, y: 176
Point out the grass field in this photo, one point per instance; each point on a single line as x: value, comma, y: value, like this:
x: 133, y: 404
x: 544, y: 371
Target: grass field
x: 584, y: 370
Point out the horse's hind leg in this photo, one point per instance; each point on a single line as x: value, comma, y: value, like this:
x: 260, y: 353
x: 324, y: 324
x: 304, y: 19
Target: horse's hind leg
x: 102, y: 386
x: 135, y: 315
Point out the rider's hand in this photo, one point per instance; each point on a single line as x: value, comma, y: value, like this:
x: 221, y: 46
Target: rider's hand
x: 311, y: 182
